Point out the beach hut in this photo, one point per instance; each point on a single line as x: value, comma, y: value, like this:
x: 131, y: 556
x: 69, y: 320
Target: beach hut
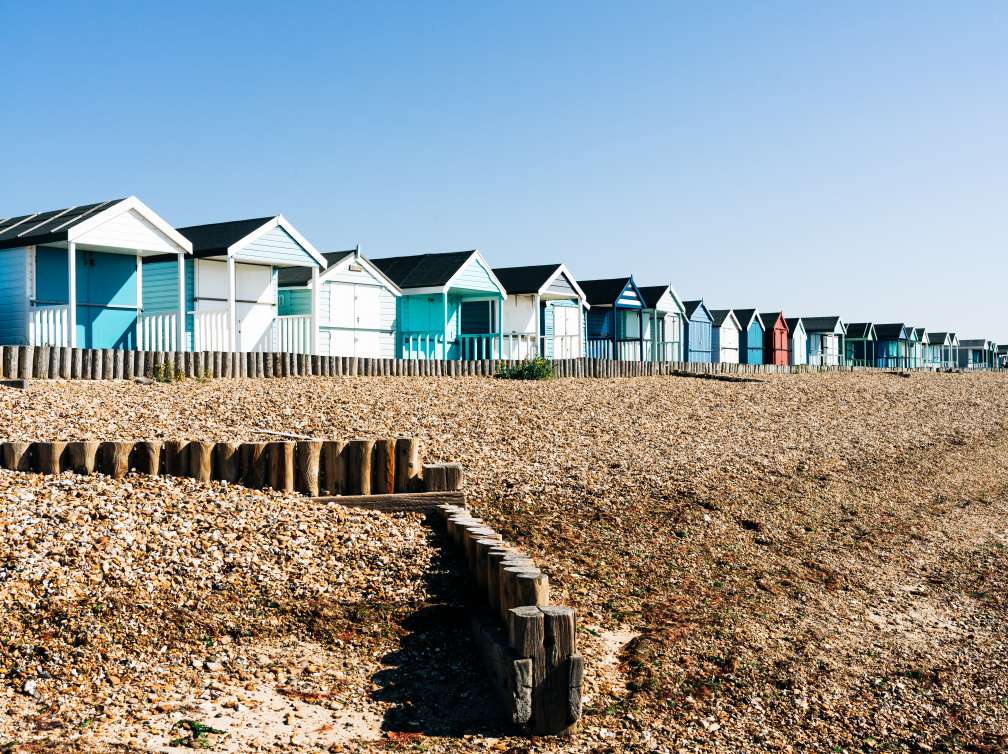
x: 697, y: 333
x: 797, y: 341
x: 1002, y: 356
x: 918, y: 356
x: 74, y: 277
x: 825, y: 337
x: 615, y: 328
x: 951, y: 354
x: 725, y: 329
x: 450, y: 307
x: 230, y: 291
x: 664, y: 315
x: 938, y: 344
x: 356, y: 305
x: 775, y: 339
x: 892, y: 345
x: 974, y: 353
x: 543, y: 312
x: 751, y: 336
x: 860, y: 344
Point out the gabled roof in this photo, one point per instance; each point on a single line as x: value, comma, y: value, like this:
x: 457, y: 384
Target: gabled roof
x: 229, y: 237
x: 974, y: 343
x: 692, y: 306
x: 938, y: 338
x: 891, y: 331
x: 770, y: 320
x: 720, y: 315
x: 822, y: 324
x: 793, y: 323
x: 424, y: 270
x: 604, y: 292
x: 68, y: 224
x: 291, y: 277
x: 652, y: 295
x: 433, y: 270
x: 534, y: 278
x: 746, y: 316
x: 920, y: 333
x: 860, y: 331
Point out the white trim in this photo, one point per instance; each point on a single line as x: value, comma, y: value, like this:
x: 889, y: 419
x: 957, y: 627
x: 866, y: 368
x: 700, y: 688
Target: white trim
x: 278, y: 222
x: 562, y: 270
x: 486, y: 266
x: 181, y: 324
x: 180, y: 242
x: 382, y: 278
x: 72, y: 293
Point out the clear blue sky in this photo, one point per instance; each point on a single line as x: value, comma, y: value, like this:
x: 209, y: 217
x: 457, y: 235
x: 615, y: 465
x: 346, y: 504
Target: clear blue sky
x: 827, y: 158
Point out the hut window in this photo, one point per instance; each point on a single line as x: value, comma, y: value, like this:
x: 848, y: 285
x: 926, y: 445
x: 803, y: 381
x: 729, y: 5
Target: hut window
x: 477, y: 317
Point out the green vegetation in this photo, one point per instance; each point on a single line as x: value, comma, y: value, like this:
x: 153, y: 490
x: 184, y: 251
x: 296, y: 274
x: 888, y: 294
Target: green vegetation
x: 536, y: 369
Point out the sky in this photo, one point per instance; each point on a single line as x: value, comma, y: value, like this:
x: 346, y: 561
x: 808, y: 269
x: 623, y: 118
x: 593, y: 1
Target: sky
x: 843, y: 158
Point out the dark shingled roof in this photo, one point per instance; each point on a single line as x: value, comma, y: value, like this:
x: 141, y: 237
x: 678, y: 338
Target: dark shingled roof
x: 792, y: 323
x: 528, y: 279
x: 890, y: 331
x: 422, y: 270
x: 745, y: 317
x: 603, y: 292
x: 47, y: 227
x: 770, y: 319
x: 858, y: 330
x: 937, y: 337
x: 720, y: 315
x: 820, y: 324
x: 290, y: 277
x: 213, y: 239
x: 652, y: 294
x: 692, y: 306
x: 919, y: 332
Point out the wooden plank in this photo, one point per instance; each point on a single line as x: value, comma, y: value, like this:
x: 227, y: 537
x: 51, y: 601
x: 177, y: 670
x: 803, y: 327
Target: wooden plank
x: 413, y: 501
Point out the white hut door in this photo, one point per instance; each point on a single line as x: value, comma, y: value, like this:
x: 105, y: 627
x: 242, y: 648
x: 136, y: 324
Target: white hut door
x: 255, y: 304
x: 367, y: 313
x: 565, y: 327
x: 341, y: 318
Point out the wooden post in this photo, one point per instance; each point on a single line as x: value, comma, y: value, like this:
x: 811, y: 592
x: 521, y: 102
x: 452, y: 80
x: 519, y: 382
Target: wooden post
x: 116, y: 458
x: 147, y: 455
x: 453, y: 477
x: 176, y: 458
x: 18, y: 455
x: 49, y: 456
x: 201, y: 460
x: 308, y: 454
x: 226, y: 461
x: 550, y: 706
x: 334, y: 466
x: 383, y: 471
x: 252, y: 464
x: 82, y: 456
x: 435, y: 478
x: 281, y: 465
x: 408, y: 470
x: 359, y: 466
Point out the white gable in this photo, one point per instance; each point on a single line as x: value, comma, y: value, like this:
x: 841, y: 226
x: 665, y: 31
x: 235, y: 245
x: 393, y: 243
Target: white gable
x: 355, y: 269
x: 128, y: 230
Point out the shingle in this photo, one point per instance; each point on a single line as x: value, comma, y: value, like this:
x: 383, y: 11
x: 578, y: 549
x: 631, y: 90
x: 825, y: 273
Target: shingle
x: 603, y: 292
x: 527, y: 279
x: 422, y: 270
x: 213, y: 239
x: 46, y: 227
x: 820, y: 324
x: 890, y: 331
x: 292, y: 277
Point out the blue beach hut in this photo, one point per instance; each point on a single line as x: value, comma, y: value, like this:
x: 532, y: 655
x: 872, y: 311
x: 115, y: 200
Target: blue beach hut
x: 697, y: 333
x: 74, y: 277
x: 615, y: 320
x: 751, y: 336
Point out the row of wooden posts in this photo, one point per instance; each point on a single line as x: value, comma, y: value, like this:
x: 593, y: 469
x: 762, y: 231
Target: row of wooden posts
x: 533, y: 660
x: 53, y: 362
x: 313, y: 467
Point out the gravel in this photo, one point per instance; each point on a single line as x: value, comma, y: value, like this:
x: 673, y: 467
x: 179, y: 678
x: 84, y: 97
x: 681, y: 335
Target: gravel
x: 802, y: 563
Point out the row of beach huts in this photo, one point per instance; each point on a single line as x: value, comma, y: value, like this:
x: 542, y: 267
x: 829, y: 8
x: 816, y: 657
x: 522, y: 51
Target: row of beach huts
x: 114, y: 274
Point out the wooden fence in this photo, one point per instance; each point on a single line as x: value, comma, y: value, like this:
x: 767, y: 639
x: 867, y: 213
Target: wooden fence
x: 48, y: 362
x: 355, y: 467
x: 528, y: 645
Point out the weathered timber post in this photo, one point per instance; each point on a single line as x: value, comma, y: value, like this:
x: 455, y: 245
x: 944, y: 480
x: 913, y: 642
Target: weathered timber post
x: 253, y: 464
x: 49, y: 456
x: 408, y: 470
x: 308, y: 454
x: 176, y: 458
x: 281, y: 465
x: 82, y: 456
x: 226, y: 461
x: 147, y: 454
x: 334, y: 466
x: 116, y: 458
x: 383, y: 470
x: 359, y: 466
x: 201, y: 460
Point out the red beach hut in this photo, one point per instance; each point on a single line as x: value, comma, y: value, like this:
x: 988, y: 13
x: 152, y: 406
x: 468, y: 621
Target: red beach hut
x: 775, y: 339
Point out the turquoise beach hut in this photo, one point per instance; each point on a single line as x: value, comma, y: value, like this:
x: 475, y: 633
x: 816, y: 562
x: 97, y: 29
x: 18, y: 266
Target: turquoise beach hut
x: 698, y: 332
x: 450, y: 307
x: 74, y: 277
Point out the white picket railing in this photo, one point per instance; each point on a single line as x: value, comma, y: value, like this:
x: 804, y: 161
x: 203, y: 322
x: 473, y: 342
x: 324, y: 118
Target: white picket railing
x: 290, y: 333
x: 567, y: 347
x: 520, y: 346
x: 49, y: 325
x: 629, y: 350
x: 210, y: 331
x: 157, y: 331
x: 476, y: 347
